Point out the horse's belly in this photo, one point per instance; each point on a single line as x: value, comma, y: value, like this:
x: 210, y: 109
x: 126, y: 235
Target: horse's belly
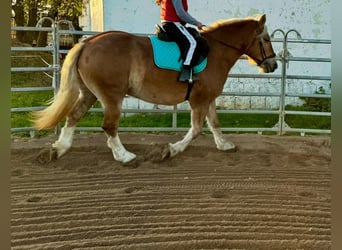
x: 158, y: 93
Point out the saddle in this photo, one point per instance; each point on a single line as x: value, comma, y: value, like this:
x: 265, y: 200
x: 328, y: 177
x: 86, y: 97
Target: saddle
x: 167, y: 55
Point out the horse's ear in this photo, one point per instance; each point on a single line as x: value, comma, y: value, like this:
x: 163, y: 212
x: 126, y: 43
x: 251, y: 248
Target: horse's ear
x: 262, y: 20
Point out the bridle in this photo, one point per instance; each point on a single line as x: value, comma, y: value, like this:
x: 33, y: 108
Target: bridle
x: 264, y: 57
x: 247, y: 49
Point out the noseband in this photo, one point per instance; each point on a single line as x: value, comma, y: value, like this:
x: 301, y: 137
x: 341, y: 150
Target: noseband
x: 262, y: 52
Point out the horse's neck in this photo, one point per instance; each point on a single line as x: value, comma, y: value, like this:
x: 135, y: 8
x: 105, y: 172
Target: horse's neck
x: 235, y: 34
x: 228, y: 50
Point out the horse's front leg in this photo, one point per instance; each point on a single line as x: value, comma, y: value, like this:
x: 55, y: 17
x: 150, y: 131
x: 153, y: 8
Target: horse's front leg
x: 197, y: 120
x: 213, y: 124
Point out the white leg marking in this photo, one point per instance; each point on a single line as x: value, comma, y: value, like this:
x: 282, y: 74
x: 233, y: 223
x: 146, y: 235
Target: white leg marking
x: 119, y: 152
x: 180, y: 146
x: 221, y: 143
x: 64, y: 140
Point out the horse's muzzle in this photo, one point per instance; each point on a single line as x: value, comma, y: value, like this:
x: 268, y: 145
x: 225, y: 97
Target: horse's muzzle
x: 269, y: 65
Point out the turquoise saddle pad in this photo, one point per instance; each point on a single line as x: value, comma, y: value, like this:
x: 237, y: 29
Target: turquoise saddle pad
x: 167, y: 54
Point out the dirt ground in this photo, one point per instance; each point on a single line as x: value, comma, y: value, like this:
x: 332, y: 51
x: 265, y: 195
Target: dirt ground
x: 274, y: 192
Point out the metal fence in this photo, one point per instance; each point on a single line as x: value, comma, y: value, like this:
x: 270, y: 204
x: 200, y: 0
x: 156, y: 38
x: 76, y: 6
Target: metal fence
x: 283, y: 56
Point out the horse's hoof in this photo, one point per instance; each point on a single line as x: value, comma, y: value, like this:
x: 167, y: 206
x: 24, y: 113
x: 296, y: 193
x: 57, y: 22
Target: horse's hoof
x: 124, y: 156
x: 134, y: 163
x: 43, y: 156
x: 46, y: 155
x: 154, y: 155
x: 232, y: 150
x: 165, y: 152
x: 53, y: 154
x: 228, y: 147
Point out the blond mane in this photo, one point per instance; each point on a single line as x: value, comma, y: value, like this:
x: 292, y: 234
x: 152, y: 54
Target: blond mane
x: 224, y: 22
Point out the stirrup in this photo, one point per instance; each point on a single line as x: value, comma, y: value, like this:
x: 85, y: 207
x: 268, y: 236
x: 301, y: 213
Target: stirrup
x: 186, y: 75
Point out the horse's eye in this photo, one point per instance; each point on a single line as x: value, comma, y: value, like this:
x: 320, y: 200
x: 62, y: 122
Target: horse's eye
x: 267, y: 39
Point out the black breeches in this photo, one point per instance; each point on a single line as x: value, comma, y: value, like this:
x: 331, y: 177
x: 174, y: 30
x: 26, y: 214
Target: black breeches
x: 186, y: 42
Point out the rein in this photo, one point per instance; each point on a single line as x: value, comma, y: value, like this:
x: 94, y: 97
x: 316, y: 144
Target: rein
x: 263, y: 54
x: 246, y: 51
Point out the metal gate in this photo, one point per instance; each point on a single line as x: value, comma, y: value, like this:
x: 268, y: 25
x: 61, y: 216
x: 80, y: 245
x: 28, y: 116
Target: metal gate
x: 281, y: 93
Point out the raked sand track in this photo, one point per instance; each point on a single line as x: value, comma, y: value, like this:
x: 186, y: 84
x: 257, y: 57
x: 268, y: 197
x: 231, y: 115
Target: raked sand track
x: 273, y: 193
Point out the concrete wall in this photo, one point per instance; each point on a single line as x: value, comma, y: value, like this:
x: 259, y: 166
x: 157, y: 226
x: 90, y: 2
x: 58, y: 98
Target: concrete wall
x: 311, y: 18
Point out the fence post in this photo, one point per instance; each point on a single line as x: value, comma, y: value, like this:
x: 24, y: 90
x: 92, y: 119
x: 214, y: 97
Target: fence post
x: 174, y: 116
x: 55, y: 57
x: 284, y: 55
x: 56, y: 65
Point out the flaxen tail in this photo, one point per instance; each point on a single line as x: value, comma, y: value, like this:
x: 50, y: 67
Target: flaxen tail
x: 67, y: 95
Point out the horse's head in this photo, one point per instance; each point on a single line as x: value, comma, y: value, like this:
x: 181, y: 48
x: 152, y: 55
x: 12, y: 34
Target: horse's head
x: 260, y: 51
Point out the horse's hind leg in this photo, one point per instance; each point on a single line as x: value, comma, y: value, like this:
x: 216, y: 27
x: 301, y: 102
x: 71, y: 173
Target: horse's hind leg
x: 112, y: 112
x: 85, y: 100
x: 197, y: 119
x: 213, y: 125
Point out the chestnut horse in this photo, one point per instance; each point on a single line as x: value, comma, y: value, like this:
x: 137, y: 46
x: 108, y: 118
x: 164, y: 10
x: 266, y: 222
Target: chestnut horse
x: 112, y: 64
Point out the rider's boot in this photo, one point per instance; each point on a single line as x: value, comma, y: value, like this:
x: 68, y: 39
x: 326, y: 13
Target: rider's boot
x: 186, y: 74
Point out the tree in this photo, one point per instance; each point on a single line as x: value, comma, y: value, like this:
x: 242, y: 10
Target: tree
x: 28, y: 13
x: 19, y: 18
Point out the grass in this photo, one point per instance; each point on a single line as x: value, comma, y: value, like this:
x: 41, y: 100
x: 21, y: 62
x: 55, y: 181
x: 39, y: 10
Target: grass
x: 30, y: 99
x: 308, y: 122
x: 226, y: 120
x: 94, y: 119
